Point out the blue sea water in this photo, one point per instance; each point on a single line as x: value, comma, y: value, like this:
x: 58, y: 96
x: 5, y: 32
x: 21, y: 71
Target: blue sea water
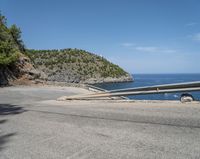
x: 155, y: 79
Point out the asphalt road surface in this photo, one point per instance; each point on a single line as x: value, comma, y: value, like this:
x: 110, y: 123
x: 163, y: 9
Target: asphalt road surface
x: 33, y: 125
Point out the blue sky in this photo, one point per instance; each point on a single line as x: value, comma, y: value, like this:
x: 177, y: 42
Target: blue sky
x: 142, y: 36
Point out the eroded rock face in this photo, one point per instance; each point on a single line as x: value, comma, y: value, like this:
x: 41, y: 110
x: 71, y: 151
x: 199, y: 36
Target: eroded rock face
x: 27, y: 68
x: 23, y: 68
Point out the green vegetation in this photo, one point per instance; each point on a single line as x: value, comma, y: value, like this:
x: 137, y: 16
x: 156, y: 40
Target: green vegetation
x: 10, y: 43
x: 79, y: 62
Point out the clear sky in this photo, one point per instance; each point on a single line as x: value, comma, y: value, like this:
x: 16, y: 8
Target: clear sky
x: 142, y: 36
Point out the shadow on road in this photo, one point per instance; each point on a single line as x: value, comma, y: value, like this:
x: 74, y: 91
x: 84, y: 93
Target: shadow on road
x: 4, y: 139
x: 3, y: 121
x: 8, y: 109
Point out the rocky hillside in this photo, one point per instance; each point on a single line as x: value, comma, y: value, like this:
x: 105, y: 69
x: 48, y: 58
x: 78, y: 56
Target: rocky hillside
x: 76, y: 66
x: 66, y: 65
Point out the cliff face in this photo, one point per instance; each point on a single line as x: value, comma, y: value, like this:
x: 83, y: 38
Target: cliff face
x: 76, y: 66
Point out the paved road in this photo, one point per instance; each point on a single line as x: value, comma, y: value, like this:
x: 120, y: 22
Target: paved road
x: 35, y: 126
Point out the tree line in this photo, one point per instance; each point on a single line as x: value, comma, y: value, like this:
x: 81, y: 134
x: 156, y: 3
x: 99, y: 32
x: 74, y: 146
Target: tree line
x: 11, y: 44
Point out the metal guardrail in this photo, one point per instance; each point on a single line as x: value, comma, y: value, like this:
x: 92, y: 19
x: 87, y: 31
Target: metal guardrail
x: 94, y: 88
x: 160, y: 87
x: 157, y: 89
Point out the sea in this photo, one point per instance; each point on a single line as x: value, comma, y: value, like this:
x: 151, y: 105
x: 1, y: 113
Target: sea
x: 141, y: 80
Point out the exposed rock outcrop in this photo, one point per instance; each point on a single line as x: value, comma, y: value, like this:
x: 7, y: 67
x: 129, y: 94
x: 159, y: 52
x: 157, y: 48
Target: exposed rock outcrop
x: 21, y: 70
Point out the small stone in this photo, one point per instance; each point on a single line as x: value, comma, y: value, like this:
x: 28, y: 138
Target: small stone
x: 187, y: 98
